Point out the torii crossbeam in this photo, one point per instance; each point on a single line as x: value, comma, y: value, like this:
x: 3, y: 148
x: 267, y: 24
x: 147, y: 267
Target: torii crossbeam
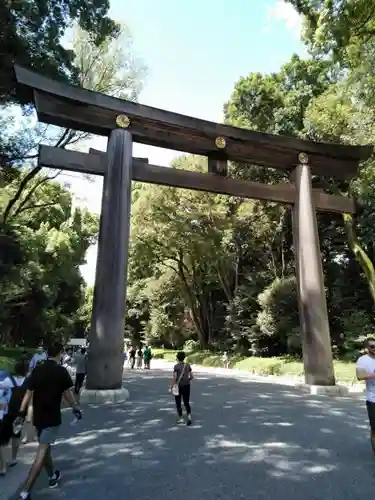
x: 124, y: 122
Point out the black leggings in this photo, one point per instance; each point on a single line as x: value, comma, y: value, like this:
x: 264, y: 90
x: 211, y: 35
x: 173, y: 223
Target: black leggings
x: 184, y: 394
x: 80, y: 377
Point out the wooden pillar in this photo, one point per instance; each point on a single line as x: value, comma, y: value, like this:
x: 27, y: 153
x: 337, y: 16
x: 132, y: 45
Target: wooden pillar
x: 105, y: 363
x: 316, y: 339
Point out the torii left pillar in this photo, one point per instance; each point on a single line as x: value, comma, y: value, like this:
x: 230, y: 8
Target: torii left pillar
x: 105, y: 357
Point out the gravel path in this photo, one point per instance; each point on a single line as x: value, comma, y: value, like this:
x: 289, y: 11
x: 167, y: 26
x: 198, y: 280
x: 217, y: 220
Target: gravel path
x: 249, y: 441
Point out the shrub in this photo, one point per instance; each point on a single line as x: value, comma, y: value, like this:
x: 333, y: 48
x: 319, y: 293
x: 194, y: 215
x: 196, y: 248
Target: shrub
x: 191, y: 345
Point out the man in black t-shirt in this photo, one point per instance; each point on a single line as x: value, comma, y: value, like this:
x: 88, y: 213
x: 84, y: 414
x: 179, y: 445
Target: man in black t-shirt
x: 48, y: 383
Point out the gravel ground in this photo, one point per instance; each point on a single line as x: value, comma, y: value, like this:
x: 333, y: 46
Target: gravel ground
x: 249, y: 440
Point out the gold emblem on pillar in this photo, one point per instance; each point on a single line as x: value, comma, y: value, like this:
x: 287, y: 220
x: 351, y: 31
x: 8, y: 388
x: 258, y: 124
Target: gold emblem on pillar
x: 220, y: 142
x: 122, y: 121
x: 303, y: 158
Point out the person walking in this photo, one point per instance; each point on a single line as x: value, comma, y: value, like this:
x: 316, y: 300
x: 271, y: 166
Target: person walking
x: 139, y: 357
x: 365, y: 370
x: 80, y: 362
x: 132, y: 355
x: 14, y: 386
x: 49, y: 382
x: 180, y: 387
x: 147, y: 356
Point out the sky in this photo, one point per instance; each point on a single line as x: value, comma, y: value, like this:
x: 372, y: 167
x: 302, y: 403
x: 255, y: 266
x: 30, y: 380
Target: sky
x: 195, y: 52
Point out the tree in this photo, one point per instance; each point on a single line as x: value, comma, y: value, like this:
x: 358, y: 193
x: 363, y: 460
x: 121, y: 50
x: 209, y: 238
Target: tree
x: 31, y: 34
x: 337, y: 27
x: 42, y: 248
x: 314, y: 99
x: 210, y: 243
x: 335, y: 117
x: 110, y: 67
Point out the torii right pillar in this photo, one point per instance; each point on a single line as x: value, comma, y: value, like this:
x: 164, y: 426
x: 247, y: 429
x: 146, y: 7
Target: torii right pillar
x: 315, y: 334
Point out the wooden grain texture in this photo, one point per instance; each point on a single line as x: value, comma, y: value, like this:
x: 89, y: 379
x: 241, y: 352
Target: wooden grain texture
x: 94, y: 163
x: 105, y: 363
x: 282, y: 193
x: 315, y: 334
x: 73, y: 107
x: 217, y: 166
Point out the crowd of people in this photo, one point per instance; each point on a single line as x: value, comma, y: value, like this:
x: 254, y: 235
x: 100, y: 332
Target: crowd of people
x: 138, y: 357
x: 35, y: 392
x: 32, y: 396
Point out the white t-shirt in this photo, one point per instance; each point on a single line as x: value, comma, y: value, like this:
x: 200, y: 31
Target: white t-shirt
x: 367, y: 363
x: 37, y: 358
x: 6, y: 387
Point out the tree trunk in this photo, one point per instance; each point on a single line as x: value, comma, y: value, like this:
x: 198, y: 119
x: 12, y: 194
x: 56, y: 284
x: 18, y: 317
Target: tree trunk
x: 362, y: 258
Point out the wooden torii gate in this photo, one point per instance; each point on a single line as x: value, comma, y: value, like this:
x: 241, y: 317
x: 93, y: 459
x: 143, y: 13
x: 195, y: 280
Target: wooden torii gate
x: 124, y: 122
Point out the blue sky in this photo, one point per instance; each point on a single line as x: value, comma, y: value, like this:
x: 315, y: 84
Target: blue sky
x: 195, y: 52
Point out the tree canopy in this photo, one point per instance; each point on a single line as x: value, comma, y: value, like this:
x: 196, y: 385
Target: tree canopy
x: 31, y: 34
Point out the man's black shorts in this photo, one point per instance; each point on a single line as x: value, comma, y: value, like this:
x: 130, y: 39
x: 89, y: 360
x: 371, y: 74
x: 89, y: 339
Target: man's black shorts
x: 371, y: 414
x: 6, y: 430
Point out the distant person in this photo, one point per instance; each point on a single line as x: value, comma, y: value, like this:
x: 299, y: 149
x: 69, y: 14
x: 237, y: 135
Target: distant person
x: 38, y: 357
x: 132, y: 355
x: 225, y: 359
x: 49, y: 383
x: 147, y: 356
x: 13, y: 389
x: 365, y: 370
x: 80, y: 362
x: 139, y: 357
x: 180, y: 387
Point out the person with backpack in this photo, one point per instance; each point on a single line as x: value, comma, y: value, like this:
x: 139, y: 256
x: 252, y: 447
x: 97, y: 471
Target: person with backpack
x: 48, y: 384
x: 180, y: 387
x: 15, y: 388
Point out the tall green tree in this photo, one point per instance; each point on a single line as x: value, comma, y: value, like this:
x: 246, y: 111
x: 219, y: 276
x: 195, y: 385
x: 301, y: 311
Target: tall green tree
x: 43, y: 246
x: 31, y: 34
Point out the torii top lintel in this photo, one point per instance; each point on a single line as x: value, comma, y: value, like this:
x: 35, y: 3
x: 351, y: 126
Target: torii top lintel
x: 72, y: 107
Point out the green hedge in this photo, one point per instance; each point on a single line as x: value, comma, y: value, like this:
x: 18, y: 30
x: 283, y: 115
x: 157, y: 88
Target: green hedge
x: 283, y: 366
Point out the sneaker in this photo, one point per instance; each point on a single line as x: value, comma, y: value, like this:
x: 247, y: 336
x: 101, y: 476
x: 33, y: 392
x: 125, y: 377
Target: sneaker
x: 54, y: 480
x: 188, y: 422
x: 180, y: 420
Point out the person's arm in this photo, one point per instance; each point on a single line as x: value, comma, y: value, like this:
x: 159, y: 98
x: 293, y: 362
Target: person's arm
x: 70, y: 399
x: 362, y: 372
x: 66, y: 386
x: 174, y: 379
x: 30, y: 386
x: 191, y: 376
x: 25, y: 401
x: 31, y: 365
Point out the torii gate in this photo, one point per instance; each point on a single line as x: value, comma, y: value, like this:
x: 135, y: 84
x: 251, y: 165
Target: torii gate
x: 124, y: 122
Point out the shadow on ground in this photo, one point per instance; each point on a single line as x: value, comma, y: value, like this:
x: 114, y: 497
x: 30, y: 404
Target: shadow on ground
x: 248, y: 440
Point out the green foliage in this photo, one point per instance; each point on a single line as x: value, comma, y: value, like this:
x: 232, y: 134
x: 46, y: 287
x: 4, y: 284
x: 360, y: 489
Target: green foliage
x: 32, y: 32
x: 43, y: 245
x: 191, y: 345
x: 278, y: 317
